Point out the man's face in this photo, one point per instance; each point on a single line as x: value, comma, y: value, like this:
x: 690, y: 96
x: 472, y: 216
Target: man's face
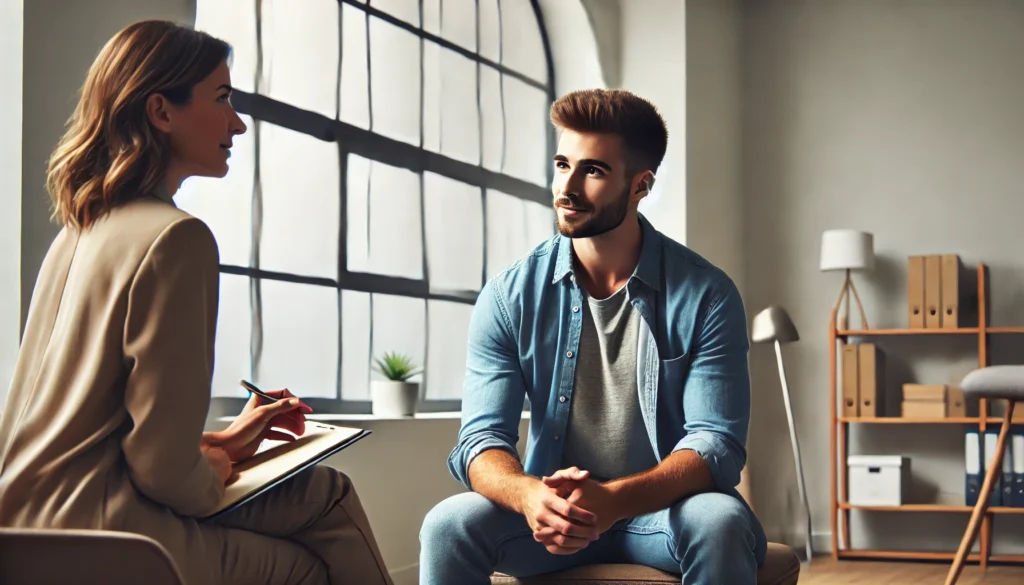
x: 590, y: 187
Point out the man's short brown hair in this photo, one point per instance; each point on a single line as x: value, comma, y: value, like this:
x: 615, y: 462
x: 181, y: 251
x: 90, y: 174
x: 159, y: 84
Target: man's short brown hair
x: 614, y: 111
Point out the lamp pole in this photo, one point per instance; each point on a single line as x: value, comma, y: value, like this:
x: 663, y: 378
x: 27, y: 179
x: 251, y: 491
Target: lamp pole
x: 796, y: 445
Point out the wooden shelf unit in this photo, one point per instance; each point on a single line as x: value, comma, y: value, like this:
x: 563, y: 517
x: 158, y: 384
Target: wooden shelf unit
x: 930, y: 508
x: 838, y: 439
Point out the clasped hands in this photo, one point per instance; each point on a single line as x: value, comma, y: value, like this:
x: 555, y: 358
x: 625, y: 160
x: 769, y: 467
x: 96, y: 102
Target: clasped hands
x: 568, y: 510
x: 259, y: 420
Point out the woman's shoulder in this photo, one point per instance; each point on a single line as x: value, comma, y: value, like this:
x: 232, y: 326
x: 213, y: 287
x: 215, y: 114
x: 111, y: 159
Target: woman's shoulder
x: 138, y: 227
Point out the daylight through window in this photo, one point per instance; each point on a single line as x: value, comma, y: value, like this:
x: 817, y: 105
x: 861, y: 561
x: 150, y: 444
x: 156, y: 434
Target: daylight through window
x: 397, y: 157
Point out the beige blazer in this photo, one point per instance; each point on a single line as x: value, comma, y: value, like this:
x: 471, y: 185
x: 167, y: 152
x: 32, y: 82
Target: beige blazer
x: 111, y: 389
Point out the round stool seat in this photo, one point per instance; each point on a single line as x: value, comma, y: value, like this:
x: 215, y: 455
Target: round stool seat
x: 781, y: 567
x: 995, y: 382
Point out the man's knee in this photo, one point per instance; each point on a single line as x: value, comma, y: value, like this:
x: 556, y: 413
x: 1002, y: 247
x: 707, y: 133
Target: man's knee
x: 712, y: 519
x: 460, y: 517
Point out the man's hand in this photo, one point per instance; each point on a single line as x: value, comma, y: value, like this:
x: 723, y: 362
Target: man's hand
x: 256, y: 422
x: 572, y: 526
x: 578, y: 489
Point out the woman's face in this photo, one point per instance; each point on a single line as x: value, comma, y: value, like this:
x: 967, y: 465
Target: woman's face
x: 201, y: 131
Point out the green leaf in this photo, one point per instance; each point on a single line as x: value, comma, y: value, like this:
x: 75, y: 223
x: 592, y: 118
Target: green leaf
x: 396, y: 366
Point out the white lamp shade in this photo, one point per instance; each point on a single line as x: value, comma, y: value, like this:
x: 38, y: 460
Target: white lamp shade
x: 847, y: 250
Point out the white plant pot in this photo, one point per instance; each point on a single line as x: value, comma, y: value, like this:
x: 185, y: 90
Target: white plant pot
x: 394, y: 399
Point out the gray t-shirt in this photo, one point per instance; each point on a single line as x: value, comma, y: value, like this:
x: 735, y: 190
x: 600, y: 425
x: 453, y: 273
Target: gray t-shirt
x: 606, y: 433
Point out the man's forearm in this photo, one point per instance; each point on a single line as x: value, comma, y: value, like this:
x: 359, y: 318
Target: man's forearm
x: 679, y: 475
x: 499, y: 477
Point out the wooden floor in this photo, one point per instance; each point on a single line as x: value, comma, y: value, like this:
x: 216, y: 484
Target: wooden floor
x: 825, y: 571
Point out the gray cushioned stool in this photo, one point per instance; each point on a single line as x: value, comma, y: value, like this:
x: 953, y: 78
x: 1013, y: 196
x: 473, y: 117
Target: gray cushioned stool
x: 993, y: 382
x: 781, y: 567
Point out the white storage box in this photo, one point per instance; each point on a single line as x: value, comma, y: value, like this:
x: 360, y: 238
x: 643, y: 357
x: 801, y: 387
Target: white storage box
x: 878, y: 480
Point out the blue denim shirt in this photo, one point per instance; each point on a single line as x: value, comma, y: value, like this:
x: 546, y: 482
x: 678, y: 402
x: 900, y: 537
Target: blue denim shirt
x: 692, y: 371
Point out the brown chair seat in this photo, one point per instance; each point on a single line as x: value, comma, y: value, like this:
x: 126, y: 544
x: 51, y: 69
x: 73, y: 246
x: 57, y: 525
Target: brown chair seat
x: 61, y: 556
x: 781, y: 567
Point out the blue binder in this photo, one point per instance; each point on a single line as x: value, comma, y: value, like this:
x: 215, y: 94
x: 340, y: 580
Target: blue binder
x: 1017, y: 440
x: 991, y: 440
x: 1008, y: 484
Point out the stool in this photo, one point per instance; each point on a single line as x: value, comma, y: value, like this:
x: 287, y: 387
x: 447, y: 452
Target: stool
x: 781, y: 567
x: 993, y: 382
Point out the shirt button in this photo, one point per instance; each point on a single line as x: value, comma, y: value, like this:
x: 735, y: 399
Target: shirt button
x: 568, y: 354
x: 556, y: 437
x: 561, y: 398
x: 576, y: 309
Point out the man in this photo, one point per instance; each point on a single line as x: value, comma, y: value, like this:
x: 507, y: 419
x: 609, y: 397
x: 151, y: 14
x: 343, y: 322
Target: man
x: 632, y: 350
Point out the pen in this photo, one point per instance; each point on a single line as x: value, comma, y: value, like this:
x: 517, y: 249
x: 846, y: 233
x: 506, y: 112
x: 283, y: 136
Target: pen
x: 252, y: 388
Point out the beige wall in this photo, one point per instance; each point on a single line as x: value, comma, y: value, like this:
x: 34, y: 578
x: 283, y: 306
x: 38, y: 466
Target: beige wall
x: 902, y: 119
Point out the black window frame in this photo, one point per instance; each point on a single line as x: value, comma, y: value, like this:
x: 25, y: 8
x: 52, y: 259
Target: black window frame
x: 352, y: 139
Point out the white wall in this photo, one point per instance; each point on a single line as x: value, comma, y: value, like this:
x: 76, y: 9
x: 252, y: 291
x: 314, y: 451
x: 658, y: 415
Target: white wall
x: 574, y: 48
x: 713, y: 135
x: 903, y: 119
x: 11, y: 15
x: 654, y: 66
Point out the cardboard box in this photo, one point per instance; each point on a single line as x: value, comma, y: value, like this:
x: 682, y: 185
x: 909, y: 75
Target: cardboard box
x: 931, y: 392
x: 923, y: 409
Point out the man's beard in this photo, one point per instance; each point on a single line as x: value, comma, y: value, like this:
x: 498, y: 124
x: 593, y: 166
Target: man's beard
x: 594, y: 221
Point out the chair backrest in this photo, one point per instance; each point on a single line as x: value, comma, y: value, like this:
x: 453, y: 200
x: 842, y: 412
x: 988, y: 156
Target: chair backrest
x: 67, y: 557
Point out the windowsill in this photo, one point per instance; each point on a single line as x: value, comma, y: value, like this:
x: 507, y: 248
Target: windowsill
x: 419, y: 416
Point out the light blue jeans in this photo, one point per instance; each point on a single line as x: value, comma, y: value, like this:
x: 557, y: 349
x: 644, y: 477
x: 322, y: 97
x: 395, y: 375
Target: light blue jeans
x: 706, y: 538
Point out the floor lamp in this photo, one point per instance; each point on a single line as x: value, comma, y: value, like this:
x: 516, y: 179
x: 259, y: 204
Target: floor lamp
x: 773, y: 325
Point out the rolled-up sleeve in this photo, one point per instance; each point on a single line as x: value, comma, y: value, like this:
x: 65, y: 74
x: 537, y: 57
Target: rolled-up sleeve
x: 494, y: 389
x: 716, y: 398
x: 169, y: 349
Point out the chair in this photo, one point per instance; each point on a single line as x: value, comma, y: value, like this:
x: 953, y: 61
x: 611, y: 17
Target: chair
x: 781, y: 567
x: 66, y: 557
x: 993, y: 382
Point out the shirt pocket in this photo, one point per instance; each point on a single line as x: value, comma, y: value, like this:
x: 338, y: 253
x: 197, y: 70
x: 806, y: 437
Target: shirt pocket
x: 672, y: 373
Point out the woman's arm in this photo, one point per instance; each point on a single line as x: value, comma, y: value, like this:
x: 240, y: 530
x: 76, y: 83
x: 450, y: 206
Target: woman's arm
x: 168, y: 347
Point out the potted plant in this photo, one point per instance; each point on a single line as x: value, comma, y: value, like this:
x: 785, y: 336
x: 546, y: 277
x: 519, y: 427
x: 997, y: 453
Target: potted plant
x: 395, y: 396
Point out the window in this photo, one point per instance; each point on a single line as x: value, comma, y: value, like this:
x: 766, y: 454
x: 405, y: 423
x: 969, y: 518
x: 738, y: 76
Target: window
x: 398, y: 155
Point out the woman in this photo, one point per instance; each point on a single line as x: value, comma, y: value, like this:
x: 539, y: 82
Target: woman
x: 103, y: 427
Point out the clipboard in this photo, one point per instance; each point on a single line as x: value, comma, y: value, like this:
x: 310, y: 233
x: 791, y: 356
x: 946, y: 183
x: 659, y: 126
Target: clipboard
x: 278, y: 461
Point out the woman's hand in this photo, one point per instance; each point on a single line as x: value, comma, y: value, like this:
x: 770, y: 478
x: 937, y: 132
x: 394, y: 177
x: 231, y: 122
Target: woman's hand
x: 219, y: 461
x: 256, y: 422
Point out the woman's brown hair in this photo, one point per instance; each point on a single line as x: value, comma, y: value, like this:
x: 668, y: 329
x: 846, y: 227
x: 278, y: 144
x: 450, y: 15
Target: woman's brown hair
x: 110, y: 153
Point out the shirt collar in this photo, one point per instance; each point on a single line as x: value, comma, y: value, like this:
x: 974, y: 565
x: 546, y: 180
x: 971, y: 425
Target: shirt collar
x: 648, y: 269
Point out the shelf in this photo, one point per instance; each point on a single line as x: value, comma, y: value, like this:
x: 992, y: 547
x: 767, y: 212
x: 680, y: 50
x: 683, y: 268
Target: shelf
x: 930, y: 508
x: 936, y: 331
x: 924, y: 555
x: 908, y: 554
x: 983, y: 336
x: 932, y: 331
x: 898, y: 420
